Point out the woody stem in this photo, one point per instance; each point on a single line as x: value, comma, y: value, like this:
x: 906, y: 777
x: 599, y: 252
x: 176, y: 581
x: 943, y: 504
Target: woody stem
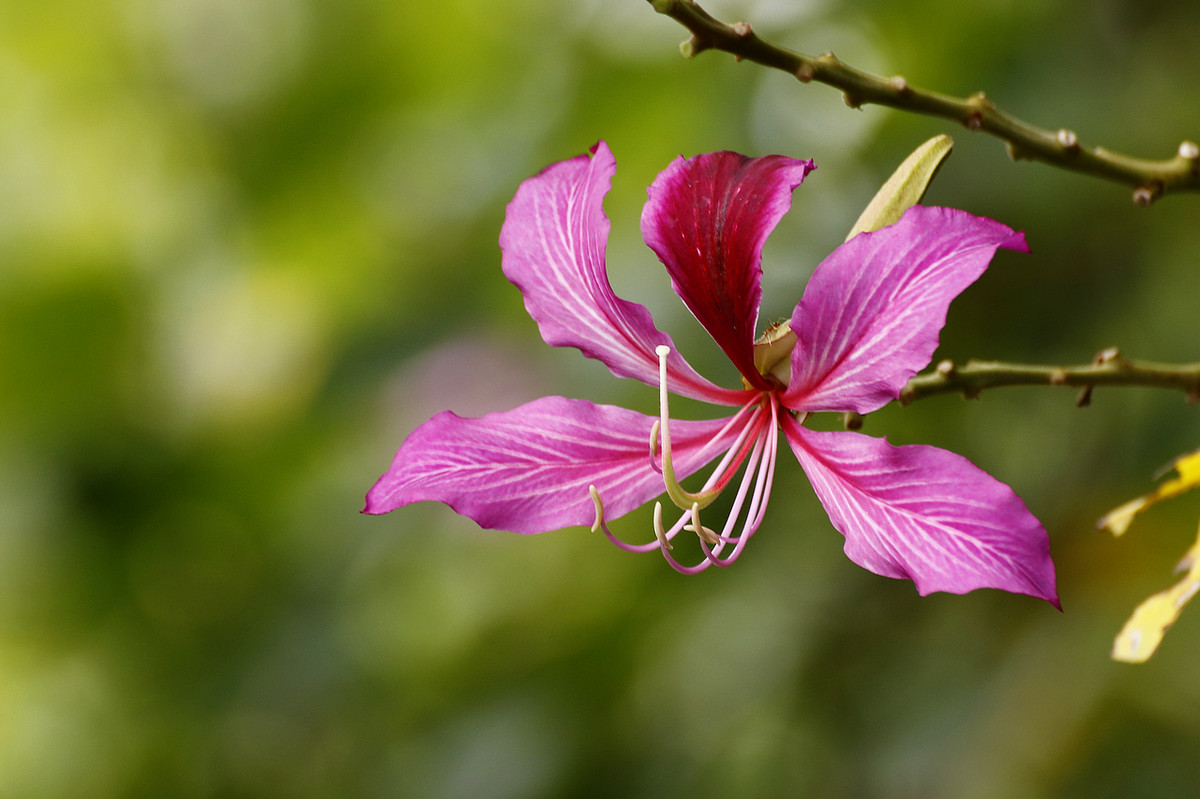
x: 1109, y: 369
x: 1150, y: 178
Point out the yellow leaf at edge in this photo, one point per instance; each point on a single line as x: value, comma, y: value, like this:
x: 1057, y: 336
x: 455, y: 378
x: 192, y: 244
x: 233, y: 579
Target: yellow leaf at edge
x: 1189, y: 471
x: 1118, y: 520
x: 1144, y: 631
x: 1188, y: 467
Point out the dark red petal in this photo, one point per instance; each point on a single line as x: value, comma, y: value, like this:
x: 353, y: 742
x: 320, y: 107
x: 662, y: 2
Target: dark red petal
x: 707, y: 219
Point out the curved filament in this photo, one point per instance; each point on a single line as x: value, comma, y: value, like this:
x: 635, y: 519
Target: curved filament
x: 755, y: 447
x: 683, y: 498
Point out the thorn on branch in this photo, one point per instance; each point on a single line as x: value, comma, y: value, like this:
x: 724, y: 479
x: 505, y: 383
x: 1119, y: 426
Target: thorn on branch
x: 1068, y: 140
x: 978, y: 103
x: 1104, y: 356
x: 1144, y: 195
x: 1059, y: 377
x: 1018, y: 153
x: 742, y: 30
x: 1190, y: 151
x: 694, y: 46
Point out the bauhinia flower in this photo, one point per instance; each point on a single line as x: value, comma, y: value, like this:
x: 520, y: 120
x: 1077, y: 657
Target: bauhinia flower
x: 868, y: 320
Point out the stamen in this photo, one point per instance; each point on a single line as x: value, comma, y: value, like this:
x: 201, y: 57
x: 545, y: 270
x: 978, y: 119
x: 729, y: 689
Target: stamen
x: 699, y: 529
x: 773, y: 445
x: 666, y: 550
x: 753, y: 467
x: 681, y: 497
x: 659, y: 532
x: 675, y: 491
x: 599, y: 504
x: 756, y: 511
x: 601, y: 525
x: 736, y: 454
x: 755, y: 446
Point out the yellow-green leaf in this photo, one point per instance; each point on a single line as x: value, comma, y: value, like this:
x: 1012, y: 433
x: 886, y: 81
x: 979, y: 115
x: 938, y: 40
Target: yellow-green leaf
x: 1145, y: 629
x: 1188, y: 467
x: 905, y: 187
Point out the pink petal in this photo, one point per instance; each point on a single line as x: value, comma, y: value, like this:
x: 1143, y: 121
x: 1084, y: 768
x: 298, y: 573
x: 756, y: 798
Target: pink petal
x: 925, y: 514
x: 872, y: 311
x: 707, y: 219
x: 528, y: 470
x: 553, y: 241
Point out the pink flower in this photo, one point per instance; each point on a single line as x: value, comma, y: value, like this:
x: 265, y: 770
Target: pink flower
x: 868, y: 320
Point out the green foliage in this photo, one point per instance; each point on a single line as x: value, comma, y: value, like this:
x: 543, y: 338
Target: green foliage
x: 248, y: 245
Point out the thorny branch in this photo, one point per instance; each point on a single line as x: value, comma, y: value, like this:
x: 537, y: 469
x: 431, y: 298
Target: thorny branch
x: 1108, y: 369
x: 1150, y: 179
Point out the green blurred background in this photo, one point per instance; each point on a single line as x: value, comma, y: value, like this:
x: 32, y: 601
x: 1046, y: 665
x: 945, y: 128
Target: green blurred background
x: 246, y: 246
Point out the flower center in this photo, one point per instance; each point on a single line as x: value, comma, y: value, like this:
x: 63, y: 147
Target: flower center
x: 773, y: 354
x: 755, y: 446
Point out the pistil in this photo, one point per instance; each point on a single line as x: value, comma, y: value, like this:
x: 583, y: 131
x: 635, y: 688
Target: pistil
x: 661, y: 432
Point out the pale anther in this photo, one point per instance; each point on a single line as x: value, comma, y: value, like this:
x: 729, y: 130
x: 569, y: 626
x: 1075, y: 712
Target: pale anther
x: 598, y: 524
x: 660, y: 532
x: 699, y: 529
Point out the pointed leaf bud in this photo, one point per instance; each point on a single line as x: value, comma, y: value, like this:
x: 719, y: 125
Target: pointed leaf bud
x: 905, y: 187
